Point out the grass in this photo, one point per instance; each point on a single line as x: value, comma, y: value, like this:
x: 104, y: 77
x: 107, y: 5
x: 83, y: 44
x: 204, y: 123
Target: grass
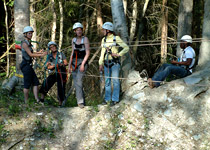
x: 45, y: 129
x: 3, y: 133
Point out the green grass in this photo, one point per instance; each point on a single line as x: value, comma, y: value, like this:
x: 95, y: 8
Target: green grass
x: 3, y: 133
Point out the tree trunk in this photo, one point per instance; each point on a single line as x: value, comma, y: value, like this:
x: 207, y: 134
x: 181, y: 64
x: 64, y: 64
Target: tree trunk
x: 22, y: 19
x: 7, y: 36
x: 87, y: 19
x: 61, y: 24
x: 80, y: 10
x: 99, y: 17
x: 133, y: 21
x: 120, y: 24
x: 119, y: 21
x: 53, y: 32
x: 205, y: 45
x: 33, y: 23
x: 140, y: 28
x: 93, y: 22
x: 125, y: 4
x: 164, y: 33
x: 184, y: 21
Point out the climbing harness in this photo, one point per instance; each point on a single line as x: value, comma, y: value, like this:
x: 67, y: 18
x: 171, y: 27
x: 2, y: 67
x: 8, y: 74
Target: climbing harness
x: 184, y: 56
x: 79, y: 52
x: 109, y: 63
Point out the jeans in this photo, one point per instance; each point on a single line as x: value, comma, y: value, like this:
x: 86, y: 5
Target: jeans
x: 112, y: 72
x: 168, y: 69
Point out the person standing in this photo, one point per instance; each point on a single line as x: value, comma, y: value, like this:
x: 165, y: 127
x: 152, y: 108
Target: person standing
x: 56, y: 64
x: 184, y: 68
x: 79, y: 61
x: 109, y: 62
x: 26, y: 66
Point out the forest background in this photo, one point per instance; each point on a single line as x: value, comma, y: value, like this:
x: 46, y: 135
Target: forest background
x: 151, y: 25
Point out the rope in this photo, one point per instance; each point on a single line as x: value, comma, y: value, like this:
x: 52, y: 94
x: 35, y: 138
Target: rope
x: 144, y: 43
x: 134, y: 79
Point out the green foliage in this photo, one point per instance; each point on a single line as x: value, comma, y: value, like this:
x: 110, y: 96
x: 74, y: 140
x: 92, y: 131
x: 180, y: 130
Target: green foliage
x: 3, y: 133
x: 2, y: 39
x: 146, y: 123
x: 47, y: 129
x: 14, y: 110
x: 10, y: 3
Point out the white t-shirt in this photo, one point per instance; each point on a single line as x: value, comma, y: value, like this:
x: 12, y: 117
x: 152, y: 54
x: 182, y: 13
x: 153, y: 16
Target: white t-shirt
x: 188, y: 52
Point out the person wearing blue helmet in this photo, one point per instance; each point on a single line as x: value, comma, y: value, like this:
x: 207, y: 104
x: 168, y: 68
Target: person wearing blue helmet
x: 56, y: 65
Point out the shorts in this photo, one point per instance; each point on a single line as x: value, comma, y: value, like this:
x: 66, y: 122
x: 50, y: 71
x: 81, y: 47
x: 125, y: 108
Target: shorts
x: 29, y: 76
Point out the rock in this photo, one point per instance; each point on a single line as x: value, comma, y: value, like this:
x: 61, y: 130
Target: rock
x: 121, y: 117
x: 140, y: 95
x: 167, y: 112
x: 104, y: 138
x: 192, y: 80
x: 137, y: 106
x: 197, y: 137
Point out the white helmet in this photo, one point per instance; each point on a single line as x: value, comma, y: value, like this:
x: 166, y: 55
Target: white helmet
x: 108, y: 26
x: 51, y: 43
x: 28, y: 29
x: 187, y: 38
x: 77, y: 25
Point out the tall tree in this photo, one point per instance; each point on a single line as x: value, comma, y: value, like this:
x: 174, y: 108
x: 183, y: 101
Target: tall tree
x: 140, y: 27
x: 164, y: 33
x: 7, y: 35
x: 61, y: 24
x: 125, y: 4
x: 184, y: 20
x: 53, y: 31
x: 33, y: 22
x: 21, y: 19
x: 205, y: 45
x: 120, y: 24
x: 99, y: 17
x: 133, y: 21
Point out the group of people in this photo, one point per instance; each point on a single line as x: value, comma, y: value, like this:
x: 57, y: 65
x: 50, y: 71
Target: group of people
x: 56, y: 64
x: 109, y: 63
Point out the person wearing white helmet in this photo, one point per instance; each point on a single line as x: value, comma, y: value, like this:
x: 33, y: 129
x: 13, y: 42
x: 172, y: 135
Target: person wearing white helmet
x: 30, y: 78
x: 78, y: 61
x: 109, y: 62
x: 56, y: 63
x: 180, y: 68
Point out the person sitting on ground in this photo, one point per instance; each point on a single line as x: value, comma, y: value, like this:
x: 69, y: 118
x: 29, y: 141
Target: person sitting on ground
x: 26, y: 66
x: 56, y: 64
x: 184, y: 68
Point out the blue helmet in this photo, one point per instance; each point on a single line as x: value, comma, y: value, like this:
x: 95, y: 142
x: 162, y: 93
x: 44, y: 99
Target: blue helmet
x: 51, y: 43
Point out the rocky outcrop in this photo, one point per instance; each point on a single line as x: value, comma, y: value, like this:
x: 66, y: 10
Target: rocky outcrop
x: 174, y: 116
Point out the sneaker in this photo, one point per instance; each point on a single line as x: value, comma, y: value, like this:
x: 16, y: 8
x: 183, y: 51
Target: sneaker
x: 81, y: 106
x: 143, y: 74
x: 151, y: 83
x: 41, y: 100
x: 113, y: 103
x: 104, y: 103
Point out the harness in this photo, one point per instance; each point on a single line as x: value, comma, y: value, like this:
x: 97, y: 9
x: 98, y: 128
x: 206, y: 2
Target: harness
x: 59, y: 60
x: 79, y: 52
x: 187, y: 67
x: 58, y: 69
x: 25, y: 56
x: 109, y: 63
